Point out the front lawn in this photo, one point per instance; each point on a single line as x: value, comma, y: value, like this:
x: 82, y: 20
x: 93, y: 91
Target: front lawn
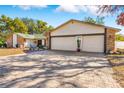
x: 117, y: 62
x: 10, y: 51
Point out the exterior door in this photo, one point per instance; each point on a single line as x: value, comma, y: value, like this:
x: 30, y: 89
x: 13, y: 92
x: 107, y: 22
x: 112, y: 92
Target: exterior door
x: 39, y: 42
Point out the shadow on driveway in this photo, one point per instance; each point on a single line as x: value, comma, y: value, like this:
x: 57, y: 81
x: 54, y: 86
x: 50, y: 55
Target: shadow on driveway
x: 55, y: 69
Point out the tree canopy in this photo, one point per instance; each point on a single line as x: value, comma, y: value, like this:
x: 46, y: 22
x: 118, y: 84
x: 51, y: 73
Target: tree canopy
x: 97, y: 20
x: 114, y: 9
x: 31, y: 25
x: 36, y: 26
x: 21, y: 25
x: 5, y: 27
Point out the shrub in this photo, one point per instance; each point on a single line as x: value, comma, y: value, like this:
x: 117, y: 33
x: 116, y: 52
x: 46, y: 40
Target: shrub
x: 41, y: 47
x: 1, y: 42
x: 121, y: 51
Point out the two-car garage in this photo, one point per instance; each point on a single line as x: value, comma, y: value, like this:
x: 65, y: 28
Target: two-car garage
x: 93, y: 38
x: 88, y: 43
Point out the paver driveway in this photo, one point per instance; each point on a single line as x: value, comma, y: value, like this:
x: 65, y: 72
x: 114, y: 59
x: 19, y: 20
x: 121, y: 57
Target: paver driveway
x: 56, y: 69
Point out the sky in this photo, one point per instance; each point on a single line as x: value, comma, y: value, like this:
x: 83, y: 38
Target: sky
x: 55, y: 15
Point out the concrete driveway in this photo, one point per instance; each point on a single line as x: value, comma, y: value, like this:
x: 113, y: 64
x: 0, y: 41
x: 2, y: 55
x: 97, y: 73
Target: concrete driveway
x: 56, y: 69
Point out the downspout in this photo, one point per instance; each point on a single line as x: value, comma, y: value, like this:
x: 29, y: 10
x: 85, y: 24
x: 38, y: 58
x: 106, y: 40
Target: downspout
x: 49, y: 40
x: 105, y: 41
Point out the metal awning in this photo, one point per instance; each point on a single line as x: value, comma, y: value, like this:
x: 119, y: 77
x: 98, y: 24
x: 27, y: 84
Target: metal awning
x: 33, y: 36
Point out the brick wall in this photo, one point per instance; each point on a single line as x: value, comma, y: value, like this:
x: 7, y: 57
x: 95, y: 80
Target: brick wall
x: 20, y: 40
x: 110, y: 40
x: 9, y: 41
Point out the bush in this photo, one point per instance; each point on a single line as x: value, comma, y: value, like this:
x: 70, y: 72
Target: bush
x: 121, y: 51
x: 2, y: 42
x: 41, y: 47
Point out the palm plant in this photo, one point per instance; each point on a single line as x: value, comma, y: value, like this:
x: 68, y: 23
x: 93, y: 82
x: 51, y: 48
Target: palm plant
x: 78, y: 44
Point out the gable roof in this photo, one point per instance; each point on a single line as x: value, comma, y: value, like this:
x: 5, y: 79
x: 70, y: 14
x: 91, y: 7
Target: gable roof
x: 72, y: 20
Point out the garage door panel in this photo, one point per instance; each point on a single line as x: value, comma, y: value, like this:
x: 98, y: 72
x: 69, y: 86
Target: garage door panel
x: 63, y: 43
x: 93, y: 43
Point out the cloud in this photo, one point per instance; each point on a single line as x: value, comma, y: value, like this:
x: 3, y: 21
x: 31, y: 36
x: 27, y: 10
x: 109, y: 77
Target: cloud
x: 68, y: 8
x: 93, y: 9
x: 28, y: 7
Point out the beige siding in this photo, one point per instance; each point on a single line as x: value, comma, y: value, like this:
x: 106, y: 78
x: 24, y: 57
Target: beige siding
x: 74, y: 28
x: 63, y: 43
x: 93, y: 44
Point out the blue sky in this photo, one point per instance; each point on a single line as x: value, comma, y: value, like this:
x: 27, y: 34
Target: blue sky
x: 55, y: 15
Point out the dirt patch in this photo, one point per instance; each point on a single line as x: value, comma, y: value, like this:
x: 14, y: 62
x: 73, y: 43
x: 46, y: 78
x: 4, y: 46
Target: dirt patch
x: 10, y: 51
x: 118, y: 68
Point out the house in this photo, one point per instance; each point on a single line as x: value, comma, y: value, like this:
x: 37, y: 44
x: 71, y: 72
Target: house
x: 92, y: 37
x: 25, y: 40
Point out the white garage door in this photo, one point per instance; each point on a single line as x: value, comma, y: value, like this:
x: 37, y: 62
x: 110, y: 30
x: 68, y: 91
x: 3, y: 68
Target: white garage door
x: 93, y: 43
x: 63, y: 43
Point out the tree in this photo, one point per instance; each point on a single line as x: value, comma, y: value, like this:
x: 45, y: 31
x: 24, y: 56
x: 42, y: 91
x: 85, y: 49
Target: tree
x: 98, y: 20
x: 49, y: 28
x: 9, y: 26
x: 31, y: 25
x: 5, y: 27
x: 36, y: 26
x: 114, y: 9
x: 25, y: 25
x: 5, y: 23
x: 41, y: 26
x: 19, y: 26
x: 119, y: 37
x: 90, y: 20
